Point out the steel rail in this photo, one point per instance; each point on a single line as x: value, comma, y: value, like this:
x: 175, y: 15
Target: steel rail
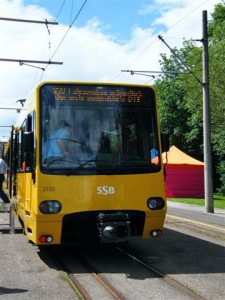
x: 169, y: 280
x: 79, y: 288
x: 103, y: 281
x: 76, y: 284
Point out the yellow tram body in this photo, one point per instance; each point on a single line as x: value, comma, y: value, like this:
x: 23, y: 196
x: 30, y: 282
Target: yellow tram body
x: 131, y: 193
x: 55, y: 203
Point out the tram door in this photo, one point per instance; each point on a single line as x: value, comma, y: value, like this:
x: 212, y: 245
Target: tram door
x: 29, y: 161
x: 25, y: 182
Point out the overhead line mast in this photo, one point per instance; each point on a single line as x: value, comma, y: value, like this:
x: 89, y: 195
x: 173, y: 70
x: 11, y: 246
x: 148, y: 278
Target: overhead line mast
x: 208, y: 174
x: 208, y: 181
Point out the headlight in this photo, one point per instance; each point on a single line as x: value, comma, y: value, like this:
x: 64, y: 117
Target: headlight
x: 50, y: 207
x: 155, y: 203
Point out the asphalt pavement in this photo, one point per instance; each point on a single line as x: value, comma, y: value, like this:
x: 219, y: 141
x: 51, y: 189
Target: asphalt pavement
x: 25, y: 272
x: 197, y: 212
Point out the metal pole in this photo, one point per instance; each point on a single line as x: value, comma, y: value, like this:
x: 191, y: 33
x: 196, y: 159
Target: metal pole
x: 11, y: 162
x: 209, y: 206
x: 28, y: 21
x: 21, y: 61
x: 178, y: 57
x: 12, y: 218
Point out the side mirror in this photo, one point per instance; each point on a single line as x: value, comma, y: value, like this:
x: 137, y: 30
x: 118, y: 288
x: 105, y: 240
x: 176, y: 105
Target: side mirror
x: 28, y: 141
x: 165, y: 141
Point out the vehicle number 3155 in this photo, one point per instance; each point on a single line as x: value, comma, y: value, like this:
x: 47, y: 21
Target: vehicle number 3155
x: 48, y: 189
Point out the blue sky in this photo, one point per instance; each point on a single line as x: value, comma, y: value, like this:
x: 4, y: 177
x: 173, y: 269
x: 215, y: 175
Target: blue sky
x: 107, y: 37
x: 119, y: 17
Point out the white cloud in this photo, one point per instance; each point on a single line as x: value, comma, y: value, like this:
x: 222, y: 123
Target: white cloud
x: 87, y: 52
x: 160, y: 6
x: 146, y: 9
x: 185, y: 19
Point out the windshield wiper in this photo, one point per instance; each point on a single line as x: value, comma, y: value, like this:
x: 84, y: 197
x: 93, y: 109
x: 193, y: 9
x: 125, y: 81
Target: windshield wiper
x: 87, y: 162
x: 57, y: 160
x: 82, y: 165
x: 123, y: 162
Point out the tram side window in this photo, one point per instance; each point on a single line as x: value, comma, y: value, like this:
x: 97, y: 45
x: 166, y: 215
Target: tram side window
x: 29, y: 124
x: 29, y: 127
x: 20, y: 147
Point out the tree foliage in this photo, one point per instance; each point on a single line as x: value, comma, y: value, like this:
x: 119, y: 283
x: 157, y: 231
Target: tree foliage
x: 181, y: 100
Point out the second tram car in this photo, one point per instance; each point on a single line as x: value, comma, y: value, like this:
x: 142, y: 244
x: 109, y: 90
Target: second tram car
x: 86, y: 163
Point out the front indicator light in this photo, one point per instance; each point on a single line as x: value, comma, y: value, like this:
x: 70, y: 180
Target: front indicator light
x: 155, y: 203
x: 50, y: 207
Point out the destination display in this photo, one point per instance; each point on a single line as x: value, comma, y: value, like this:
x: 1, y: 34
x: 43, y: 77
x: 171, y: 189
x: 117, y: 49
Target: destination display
x: 98, y: 93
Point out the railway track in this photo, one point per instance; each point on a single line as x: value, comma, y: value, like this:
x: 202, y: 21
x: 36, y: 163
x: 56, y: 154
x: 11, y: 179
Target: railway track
x: 82, y: 276
x: 167, y: 279
x: 112, y: 291
x: 87, y: 279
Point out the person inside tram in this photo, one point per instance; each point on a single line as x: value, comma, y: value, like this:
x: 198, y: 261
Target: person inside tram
x: 110, y: 141
x: 130, y: 143
x: 56, y: 145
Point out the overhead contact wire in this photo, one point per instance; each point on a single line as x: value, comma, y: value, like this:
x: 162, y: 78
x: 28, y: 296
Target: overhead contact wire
x: 69, y: 28
x: 143, y: 51
x: 71, y: 24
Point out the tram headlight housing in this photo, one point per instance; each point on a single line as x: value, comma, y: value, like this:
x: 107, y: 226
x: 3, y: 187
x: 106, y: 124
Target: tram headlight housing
x: 155, y: 203
x: 50, y: 207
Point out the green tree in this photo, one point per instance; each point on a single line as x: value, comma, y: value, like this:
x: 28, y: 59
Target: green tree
x: 178, y: 90
x: 217, y: 87
x: 181, y: 100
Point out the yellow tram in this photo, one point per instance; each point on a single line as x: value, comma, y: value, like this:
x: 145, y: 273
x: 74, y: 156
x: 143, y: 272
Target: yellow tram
x: 86, y: 163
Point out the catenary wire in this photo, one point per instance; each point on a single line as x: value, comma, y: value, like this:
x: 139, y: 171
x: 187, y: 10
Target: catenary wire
x: 60, y: 10
x: 156, y: 39
x: 65, y: 35
x: 57, y: 48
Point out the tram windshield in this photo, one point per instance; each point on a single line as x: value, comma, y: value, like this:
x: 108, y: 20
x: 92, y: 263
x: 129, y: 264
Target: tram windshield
x: 98, y: 129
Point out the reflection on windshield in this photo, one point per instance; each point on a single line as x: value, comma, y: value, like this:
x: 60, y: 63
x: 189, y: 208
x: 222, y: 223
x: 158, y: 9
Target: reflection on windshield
x: 78, y: 138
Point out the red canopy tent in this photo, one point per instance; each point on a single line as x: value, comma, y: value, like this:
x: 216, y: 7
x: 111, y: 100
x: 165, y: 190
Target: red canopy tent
x: 184, y: 175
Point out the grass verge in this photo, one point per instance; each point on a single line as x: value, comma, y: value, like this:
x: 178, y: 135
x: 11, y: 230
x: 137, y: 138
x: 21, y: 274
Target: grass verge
x: 219, y: 201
